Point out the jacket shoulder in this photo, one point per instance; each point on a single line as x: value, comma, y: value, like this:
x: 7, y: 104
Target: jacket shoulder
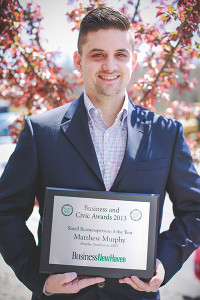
x: 52, y: 115
x: 155, y: 119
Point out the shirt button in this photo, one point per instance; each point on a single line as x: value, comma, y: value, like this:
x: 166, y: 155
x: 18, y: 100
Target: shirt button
x: 107, y: 134
x: 108, y: 163
x: 101, y: 285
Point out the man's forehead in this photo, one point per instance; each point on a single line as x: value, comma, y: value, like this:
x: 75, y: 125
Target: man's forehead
x: 105, y: 39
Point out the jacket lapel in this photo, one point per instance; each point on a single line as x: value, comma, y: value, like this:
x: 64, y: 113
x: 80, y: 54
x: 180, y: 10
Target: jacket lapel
x: 138, y: 132
x: 76, y: 129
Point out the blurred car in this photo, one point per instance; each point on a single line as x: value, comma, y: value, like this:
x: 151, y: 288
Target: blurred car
x: 6, y: 119
x: 6, y: 145
x: 197, y: 263
x: 4, y: 105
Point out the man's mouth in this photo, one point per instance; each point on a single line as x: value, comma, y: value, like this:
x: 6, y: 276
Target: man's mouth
x: 109, y: 77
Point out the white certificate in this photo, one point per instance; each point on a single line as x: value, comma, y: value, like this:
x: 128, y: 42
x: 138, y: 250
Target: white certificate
x: 99, y: 233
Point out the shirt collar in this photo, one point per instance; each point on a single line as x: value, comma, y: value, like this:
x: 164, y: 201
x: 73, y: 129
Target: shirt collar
x: 88, y: 105
x: 121, y: 115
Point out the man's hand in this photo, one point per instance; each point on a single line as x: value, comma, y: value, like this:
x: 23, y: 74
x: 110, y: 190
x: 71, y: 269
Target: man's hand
x: 151, y: 286
x: 69, y: 283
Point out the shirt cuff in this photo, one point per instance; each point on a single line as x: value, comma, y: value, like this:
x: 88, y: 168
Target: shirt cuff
x: 44, y: 292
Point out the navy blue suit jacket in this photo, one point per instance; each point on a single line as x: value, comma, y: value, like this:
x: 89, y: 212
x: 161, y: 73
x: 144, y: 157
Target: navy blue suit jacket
x: 55, y: 149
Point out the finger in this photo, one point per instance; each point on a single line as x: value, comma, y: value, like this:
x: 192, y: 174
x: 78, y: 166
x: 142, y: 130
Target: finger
x: 76, y: 285
x: 160, y: 271
x: 130, y: 282
x: 67, y: 277
x: 97, y: 278
x: 159, y: 276
x: 141, y: 285
x: 88, y: 281
x: 146, y: 286
x: 155, y: 282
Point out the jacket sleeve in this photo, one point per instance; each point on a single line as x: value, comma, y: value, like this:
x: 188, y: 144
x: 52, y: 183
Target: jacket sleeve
x: 183, y: 185
x: 18, y: 186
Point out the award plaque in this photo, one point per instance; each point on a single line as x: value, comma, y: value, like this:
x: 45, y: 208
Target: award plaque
x: 106, y: 234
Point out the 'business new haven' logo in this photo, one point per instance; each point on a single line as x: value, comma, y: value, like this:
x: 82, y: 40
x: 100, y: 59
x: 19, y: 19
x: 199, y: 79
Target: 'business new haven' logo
x: 98, y: 257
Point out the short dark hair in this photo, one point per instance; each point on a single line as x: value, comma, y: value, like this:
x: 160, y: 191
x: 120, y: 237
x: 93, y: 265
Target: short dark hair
x: 102, y: 18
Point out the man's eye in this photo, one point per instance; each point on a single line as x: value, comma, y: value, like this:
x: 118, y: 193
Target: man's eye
x: 96, y: 55
x: 121, y: 55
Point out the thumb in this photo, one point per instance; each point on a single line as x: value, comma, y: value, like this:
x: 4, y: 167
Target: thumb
x: 155, y: 281
x: 159, y: 276
x: 67, y: 277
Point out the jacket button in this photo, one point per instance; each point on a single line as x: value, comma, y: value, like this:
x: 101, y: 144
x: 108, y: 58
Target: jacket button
x: 101, y: 285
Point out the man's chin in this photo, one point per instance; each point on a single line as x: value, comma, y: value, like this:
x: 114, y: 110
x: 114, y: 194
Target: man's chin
x: 109, y: 93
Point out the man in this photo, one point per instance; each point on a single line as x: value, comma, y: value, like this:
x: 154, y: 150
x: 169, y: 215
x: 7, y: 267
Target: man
x: 101, y: 141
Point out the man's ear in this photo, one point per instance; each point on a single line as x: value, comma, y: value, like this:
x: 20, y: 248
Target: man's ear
x: 77, y: 61
x: 134, y: 60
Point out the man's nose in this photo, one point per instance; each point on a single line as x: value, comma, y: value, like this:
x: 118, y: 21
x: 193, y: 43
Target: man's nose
x: 109, y: 65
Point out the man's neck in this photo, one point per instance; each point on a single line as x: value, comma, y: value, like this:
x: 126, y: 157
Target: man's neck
x: 110, y: 107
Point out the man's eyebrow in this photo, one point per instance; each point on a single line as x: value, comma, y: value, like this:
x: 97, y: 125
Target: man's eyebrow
x: 95, y: 50
x: 123, y: 50
x: 117, y: 50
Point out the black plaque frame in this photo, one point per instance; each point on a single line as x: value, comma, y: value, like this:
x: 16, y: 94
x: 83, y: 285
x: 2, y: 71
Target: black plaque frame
x: 46, y: 267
